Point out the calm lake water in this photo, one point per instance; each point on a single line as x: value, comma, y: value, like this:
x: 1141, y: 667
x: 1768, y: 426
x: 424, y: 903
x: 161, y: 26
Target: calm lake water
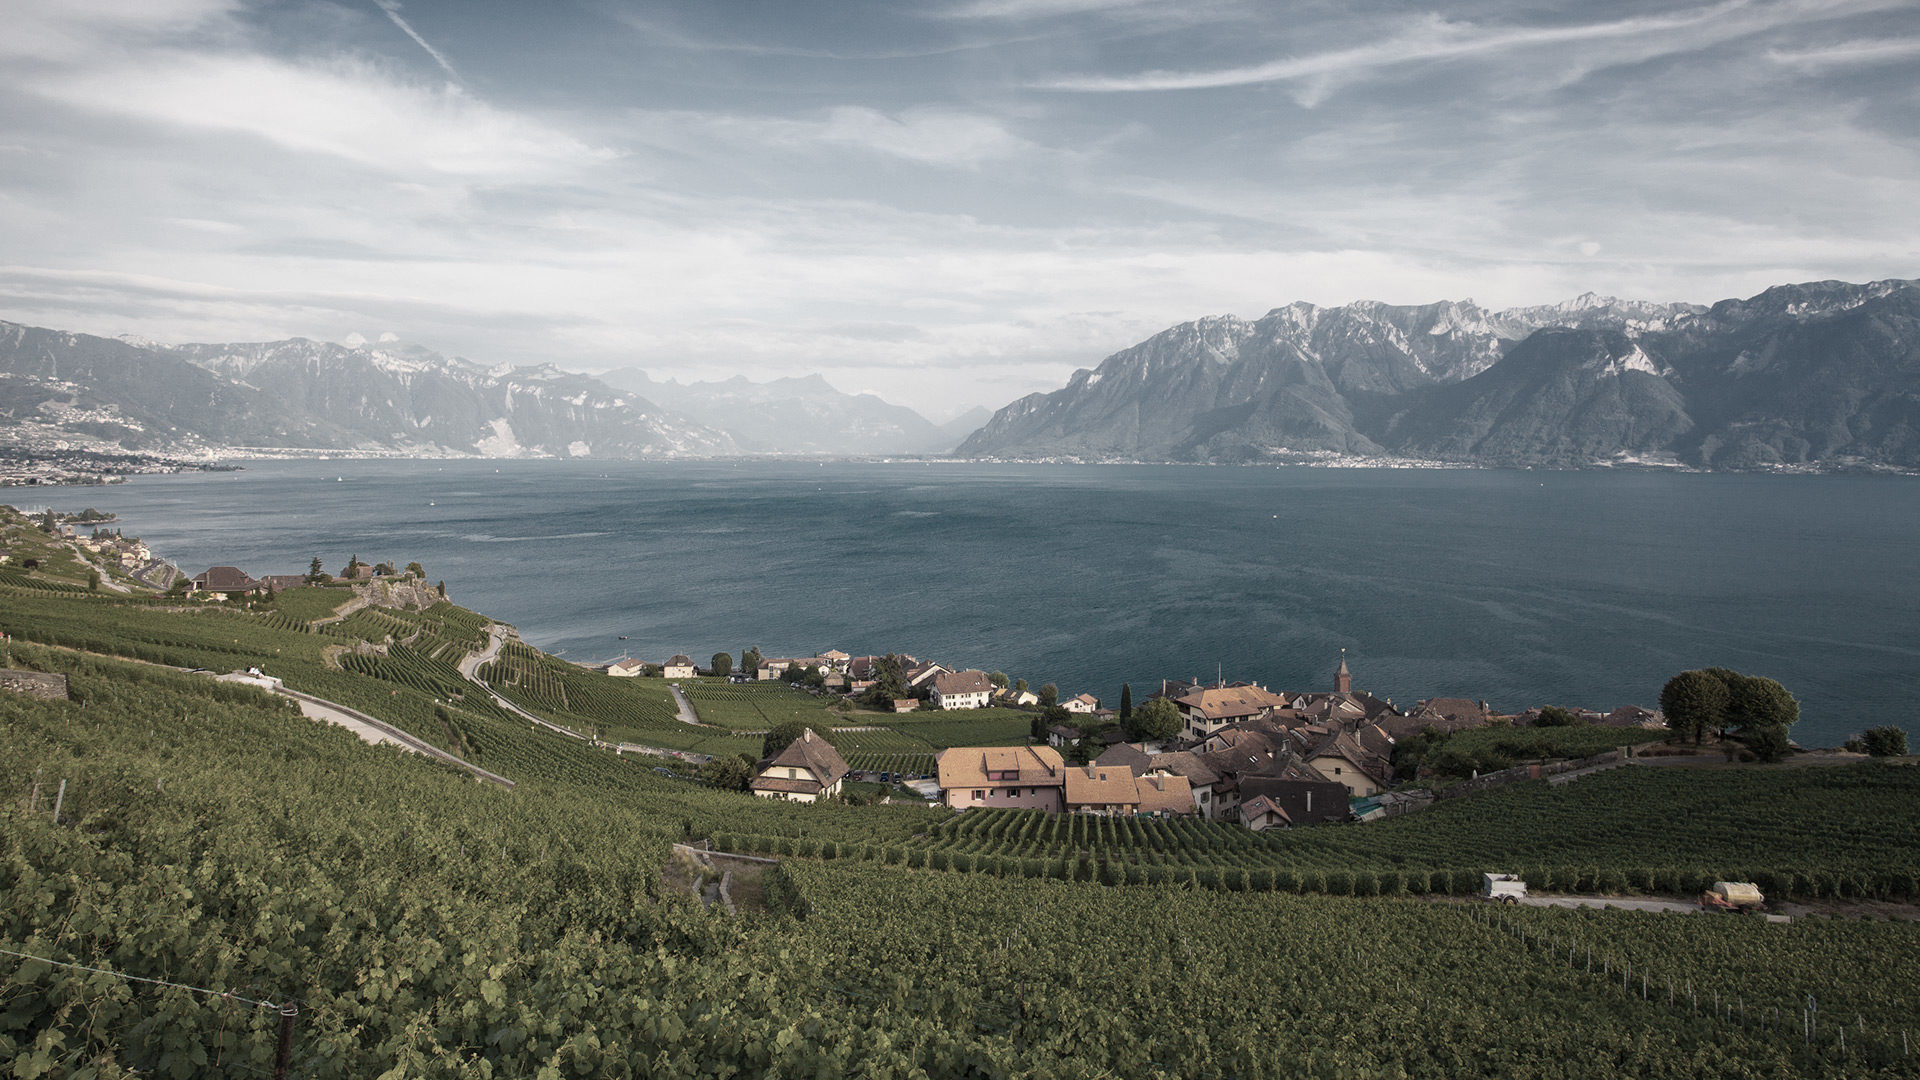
x: 1521, y: 588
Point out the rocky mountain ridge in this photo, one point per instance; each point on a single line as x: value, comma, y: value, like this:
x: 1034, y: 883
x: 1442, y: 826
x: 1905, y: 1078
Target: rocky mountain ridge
x: 1821, y: 374
x: 308, y: 395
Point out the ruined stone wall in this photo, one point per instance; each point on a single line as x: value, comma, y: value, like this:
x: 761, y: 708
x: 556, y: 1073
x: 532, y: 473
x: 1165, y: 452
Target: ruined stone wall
x: 38, y: 684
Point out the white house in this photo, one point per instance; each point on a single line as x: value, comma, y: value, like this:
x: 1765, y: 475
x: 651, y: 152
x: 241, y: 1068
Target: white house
x: 807, y: 770
x: 626, y: 669
x: 680, y: 667
x: 1084, y: 704
x: 968, y: 689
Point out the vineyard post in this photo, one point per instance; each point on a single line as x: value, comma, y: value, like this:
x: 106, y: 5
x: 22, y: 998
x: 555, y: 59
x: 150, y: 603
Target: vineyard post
x: 33, y: 798
x: 284, y: 1053
x: 59, y: 800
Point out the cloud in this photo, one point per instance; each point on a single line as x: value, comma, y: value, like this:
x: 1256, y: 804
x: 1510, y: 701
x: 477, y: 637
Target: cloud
x: 343, y: 108
x: 1435, y: 38
x: 937, y: 136
x: 79, y: 29
x: 1847, y: 54
x: 392, y: 8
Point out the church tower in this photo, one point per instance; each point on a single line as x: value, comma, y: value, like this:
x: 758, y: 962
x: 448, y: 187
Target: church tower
x: 1343, y: 679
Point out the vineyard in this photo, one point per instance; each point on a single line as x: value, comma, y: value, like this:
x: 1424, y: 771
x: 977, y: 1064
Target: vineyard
x: 212, y: 838
x: 1812, y: 833
x: 614, y: 709
x: 754, y: 706
x: 1226, y: 985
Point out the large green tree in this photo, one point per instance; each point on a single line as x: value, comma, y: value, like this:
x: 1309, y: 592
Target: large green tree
x: 1886, y: 741
x: 721, y: 665
x: 728, y: 772
x: 1126, y: 701
x: 1157, y: 719
x: 889, y: 684
x: 1049, y: 695
x: 1695, y: 702
x: 1754, y: 702
x: 1555, y: 716
x: 750, y: 660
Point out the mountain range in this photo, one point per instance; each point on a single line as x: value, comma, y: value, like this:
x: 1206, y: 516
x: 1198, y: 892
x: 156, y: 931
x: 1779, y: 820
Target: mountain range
x: 61, y: 389
x: 804, y: 415
x: 1823, y: 374
x: 1818, y: 375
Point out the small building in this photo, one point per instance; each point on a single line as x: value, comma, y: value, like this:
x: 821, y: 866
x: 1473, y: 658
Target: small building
x: 1083, y: 704
x: 1130, y: 756
x: 1097, y: 789
x: 1164, y: 795
x: 1268, y: 802
x: 680, y: 667
x: 905, y: 704
x: 627, y: 669
x: 1062, y: 735
x: 809, y: 769
x: 228, y: 580
x: 968, y: 689
x: 919, y: 676
x: 1002, y: 777
x: 1343, y: 760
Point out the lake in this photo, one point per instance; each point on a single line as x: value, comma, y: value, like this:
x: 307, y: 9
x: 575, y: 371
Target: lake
x: 1518, y: 587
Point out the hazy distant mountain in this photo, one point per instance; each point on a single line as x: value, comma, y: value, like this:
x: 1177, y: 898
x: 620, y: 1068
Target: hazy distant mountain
x: 795, y: 415
x: 1825, y: 373
x: 301, y: 394
x: 955, y: 431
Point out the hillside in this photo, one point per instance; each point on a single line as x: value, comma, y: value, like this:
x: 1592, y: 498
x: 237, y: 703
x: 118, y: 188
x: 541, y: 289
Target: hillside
x: 1817, y: 375
x: 210, y: 836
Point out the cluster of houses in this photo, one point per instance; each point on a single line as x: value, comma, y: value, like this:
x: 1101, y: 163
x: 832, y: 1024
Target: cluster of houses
x: 220, y: 582
x: 1245, y: 754
x: 130, y: 554
x: 927, y: 682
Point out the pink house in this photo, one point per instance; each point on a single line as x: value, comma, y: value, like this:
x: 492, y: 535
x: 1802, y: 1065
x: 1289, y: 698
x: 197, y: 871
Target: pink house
x: 1003, y: 777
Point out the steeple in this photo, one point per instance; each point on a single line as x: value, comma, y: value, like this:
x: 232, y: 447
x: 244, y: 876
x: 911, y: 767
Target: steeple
x: 1342, y: 678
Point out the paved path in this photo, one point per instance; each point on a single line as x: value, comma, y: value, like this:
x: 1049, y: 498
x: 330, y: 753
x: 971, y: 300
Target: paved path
x: 469, y: 667
x: 687, y: 715
x: 1629, y: 903
x: 379, y: 732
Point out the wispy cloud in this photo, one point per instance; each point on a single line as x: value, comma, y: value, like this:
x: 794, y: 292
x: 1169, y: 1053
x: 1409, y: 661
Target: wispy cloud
x: 392, y: 8
x: 1847, y: 54
x: 346, y: 109
x: 1434, y: 38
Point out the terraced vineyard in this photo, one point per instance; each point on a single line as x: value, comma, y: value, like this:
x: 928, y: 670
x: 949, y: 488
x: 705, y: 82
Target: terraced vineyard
x: 211, y: 836
x: 754, y: 706
x: 1223, y: 985
x: 1829, y: 832
x: 613, y: 709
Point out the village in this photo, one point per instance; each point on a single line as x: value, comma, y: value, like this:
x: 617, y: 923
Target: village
x: 1237, y: 753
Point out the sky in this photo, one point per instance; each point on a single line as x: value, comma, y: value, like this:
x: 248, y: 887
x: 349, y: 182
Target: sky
x: 949, y: 202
